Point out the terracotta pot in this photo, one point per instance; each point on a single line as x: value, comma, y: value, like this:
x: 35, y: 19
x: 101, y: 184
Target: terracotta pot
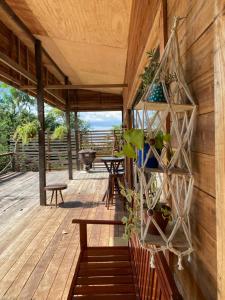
x: 158, y: 217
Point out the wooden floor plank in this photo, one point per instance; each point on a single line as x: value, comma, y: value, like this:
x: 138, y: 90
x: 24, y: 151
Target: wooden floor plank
x: 39, y: 247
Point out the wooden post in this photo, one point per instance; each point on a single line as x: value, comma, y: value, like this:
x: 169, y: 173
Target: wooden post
x: 76, y: 127
x: 41, y: 117
x: 83, y: 236
x: 129, y: 162
x: 49, y: 152
x: 69, y: 147
x: 219, y: 102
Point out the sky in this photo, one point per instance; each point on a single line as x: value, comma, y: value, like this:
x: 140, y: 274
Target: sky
x: 102, y: 120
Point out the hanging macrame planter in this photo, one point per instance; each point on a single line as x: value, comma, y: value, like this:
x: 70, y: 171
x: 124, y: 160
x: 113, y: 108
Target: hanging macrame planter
x: 173, y: 172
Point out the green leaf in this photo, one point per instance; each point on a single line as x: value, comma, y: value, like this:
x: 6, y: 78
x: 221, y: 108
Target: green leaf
x: 137, y: 138
x: 167, y: 137
x: 128, y: 151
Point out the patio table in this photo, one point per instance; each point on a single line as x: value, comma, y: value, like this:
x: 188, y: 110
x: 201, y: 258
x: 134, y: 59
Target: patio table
x: 116, y: 173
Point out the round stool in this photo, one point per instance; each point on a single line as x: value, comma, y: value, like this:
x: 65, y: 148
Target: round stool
x: 55, y: 188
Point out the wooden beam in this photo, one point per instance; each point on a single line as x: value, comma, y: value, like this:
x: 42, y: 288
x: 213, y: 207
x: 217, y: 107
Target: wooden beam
x: 76, y: 127
x: 16, y: 67
x: 28, y: 33
x: 219, y: 102
x: 22, y: 71
x: 76, y: 86
x: 69, y: 147
x: 41, y: 118
x: 10, y: 78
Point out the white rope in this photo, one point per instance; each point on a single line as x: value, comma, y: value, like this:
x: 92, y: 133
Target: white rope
x: 173, y: 185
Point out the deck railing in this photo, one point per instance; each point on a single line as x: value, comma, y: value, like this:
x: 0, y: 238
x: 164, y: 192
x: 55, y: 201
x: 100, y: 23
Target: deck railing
x: 103, y: 141
x: 7, y: 162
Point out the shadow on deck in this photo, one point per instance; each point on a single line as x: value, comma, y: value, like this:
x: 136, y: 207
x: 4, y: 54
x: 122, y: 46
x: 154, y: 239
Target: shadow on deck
x: 39, y: 245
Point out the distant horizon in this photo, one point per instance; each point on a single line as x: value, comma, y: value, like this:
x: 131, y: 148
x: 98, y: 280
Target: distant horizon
x: 102, y: 120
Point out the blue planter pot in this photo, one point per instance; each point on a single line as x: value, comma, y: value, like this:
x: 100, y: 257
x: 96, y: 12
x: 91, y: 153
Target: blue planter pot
x: 152, y: 161
x: 156, y: 94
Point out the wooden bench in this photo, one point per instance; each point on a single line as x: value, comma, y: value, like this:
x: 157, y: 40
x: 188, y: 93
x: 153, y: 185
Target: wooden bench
x: 110, y: 273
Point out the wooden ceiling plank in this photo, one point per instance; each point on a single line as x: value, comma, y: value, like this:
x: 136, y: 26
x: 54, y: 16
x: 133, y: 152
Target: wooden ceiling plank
x: 88, y: 43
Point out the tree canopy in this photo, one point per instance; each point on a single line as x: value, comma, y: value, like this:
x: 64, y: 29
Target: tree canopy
x: 18, y: 108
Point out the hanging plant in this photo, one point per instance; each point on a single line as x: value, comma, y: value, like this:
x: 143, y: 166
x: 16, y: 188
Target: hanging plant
x: 156, y: 94
x: 59, y: 132
x: 26, y: 132
x: 159, y: 140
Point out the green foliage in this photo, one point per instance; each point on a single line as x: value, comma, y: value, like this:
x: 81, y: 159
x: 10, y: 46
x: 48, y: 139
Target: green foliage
x: 165, y: 210
x: 160, y: 139
x: 59, y: 132
x: 18, y: 109
x: 26, y: 132
x: 132, y: 220
x: 150, y: 72
x: 133, y: 138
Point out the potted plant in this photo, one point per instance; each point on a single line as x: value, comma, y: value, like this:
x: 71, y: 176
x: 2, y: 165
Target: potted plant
x: 136, y: 138
x: 161, y: 213
x: 158, y: 141
x: 156, y: 93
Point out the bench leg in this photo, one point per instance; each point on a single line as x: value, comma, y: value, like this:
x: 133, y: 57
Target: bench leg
x: 61, y: 196
x: 56, y: 198
x: 52, y: 197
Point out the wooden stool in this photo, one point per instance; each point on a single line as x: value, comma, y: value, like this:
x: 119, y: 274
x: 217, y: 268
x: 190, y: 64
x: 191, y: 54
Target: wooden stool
x: 114, y: 188
x: 55, y: 188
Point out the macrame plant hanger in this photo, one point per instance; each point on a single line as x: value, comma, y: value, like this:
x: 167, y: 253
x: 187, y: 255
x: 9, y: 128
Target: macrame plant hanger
x: 174, y: 175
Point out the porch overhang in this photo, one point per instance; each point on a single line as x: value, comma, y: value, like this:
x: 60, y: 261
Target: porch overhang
x: 93, y: 61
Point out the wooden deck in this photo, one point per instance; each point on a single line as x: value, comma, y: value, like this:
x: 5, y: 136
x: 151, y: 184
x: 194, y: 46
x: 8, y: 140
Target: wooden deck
x: 39, y: 246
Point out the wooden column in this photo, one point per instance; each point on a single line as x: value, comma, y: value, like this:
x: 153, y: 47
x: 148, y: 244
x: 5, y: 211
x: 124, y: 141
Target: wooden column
x: 129, y: 162
x: 219, y: 90
x: 41, y: 118
x: 69, y: 147
x: 76, y: 127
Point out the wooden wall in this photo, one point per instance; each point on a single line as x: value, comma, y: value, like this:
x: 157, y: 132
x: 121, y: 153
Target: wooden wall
x: 196, y: 34
x: 196, y: 38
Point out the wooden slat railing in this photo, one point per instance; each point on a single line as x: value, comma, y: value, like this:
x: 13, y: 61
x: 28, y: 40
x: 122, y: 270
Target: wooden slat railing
x: 103, y: 141
x: 7, y: 162
x: 154, y: 284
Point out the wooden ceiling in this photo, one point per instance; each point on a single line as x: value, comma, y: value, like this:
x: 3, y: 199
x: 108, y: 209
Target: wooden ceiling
x: 87, y: 39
